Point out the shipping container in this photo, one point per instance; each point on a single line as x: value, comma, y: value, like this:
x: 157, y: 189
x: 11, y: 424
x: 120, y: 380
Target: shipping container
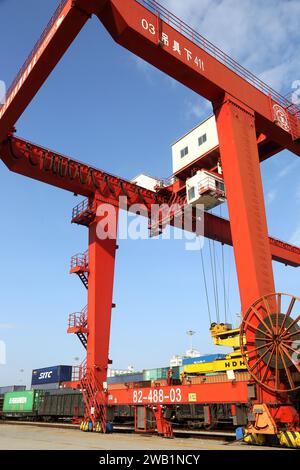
x: 12, y: 388
x: 64, y: 403
x: 162, y: 373
x: 20, y: 402
x: 202, y: 359
x: 51, y: 386
x: 53, y: 374
x: 126, y: 378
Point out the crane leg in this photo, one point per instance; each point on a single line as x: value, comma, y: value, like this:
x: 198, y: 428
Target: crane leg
x: 102, y: 249
x: 241, y: 168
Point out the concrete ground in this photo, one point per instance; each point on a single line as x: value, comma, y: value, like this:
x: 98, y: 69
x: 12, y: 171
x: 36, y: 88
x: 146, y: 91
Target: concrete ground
x: 22, y: 437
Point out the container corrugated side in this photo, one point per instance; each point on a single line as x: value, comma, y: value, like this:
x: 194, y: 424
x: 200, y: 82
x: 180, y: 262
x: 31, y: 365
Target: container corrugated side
x: 51, y: 386
x: 19, y: 402
x: 161, y: 373
x: 202, y: 359
x: 125, y: 378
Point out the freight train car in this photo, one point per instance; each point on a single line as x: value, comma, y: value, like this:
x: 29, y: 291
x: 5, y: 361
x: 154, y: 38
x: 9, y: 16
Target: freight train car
x: 66, y: 404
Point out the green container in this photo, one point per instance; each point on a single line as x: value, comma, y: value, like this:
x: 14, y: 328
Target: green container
x: 20, y: 402
x: 161, y: 373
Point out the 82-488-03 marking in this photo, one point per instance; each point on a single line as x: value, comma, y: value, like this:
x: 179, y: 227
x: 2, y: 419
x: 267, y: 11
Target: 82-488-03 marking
x: 157, y: 395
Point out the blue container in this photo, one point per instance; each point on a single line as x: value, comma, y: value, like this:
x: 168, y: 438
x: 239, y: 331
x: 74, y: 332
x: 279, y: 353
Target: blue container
x: 53, y: 374
x: 201, y: 359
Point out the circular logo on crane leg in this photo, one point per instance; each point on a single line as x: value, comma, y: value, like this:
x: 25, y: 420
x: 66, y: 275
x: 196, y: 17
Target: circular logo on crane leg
x: 281, y: 117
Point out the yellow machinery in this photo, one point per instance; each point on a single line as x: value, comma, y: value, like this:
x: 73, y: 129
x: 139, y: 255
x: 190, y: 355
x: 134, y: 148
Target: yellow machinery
x: 222, y: 335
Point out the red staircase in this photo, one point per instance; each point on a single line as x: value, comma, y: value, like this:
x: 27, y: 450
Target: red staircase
x: 80, y: 267
x: 95, y: 400
x: 78, y: 325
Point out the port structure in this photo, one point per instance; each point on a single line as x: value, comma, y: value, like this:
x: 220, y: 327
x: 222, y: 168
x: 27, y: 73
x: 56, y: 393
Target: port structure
x: 253, y: 121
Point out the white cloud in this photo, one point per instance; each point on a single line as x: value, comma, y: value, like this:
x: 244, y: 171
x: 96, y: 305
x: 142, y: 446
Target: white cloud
x: 145, y: 68
x: 295, y: 238
x: 7, y: 326
x: 287, y: 169
x: 262, y: 36
x: 271, y: 196
x: 199, y: 108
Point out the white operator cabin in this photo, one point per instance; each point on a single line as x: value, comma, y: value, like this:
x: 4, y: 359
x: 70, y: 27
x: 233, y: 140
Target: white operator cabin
x: 195, y: 144
x: 204, y: 187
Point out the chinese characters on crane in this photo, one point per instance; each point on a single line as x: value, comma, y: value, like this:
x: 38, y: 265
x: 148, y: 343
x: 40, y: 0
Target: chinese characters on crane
x: 166, y: 41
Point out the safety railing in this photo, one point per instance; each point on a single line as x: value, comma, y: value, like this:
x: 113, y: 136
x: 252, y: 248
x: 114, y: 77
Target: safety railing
x: 79, y: 372
x: 83, y: 206
x: 164, y: 182
x: 37, y: 46
x: 80, y: 260
x: 287, y: 246
x: 78, y: 319
x: 211, y: 184
x: 214, y: 51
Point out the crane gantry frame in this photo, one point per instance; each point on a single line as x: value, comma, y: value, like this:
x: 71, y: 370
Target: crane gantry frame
x: 254, y: 122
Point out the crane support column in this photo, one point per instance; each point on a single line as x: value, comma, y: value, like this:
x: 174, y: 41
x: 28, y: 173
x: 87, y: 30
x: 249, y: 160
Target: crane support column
x: 100, y: 288
x: 240, y: 162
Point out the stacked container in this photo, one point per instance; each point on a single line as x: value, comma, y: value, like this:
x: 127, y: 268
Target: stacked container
x: 12, y: 388
x: 50, y: 378
x: 162, y: 373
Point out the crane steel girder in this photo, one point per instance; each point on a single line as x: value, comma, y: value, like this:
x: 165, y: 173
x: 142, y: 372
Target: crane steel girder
x: 224, y: 392
x: 48, y: 166
x: 150, y: 31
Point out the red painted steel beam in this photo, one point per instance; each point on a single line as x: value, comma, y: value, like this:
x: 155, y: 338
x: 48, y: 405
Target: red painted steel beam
x: 62, y: 29
x: 142, y: 28
x: 45, y: 165
x: 173, y: 48
x: 240, y: 163
x: 100, y: 296
x: 227, y: 392
x: 218, y: 228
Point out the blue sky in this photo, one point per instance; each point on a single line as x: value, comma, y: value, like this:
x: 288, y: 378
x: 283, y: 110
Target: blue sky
x: 104, y: 106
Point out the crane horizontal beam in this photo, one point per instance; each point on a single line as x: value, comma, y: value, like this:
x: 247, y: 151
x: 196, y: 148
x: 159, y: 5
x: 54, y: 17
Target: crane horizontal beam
x: 153, y: 33
x: 45, y: 165
x: 63, y: 27
x: 150, y: 31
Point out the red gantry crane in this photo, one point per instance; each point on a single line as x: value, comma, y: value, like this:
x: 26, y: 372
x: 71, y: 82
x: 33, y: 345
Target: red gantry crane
x: 254, y: 122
